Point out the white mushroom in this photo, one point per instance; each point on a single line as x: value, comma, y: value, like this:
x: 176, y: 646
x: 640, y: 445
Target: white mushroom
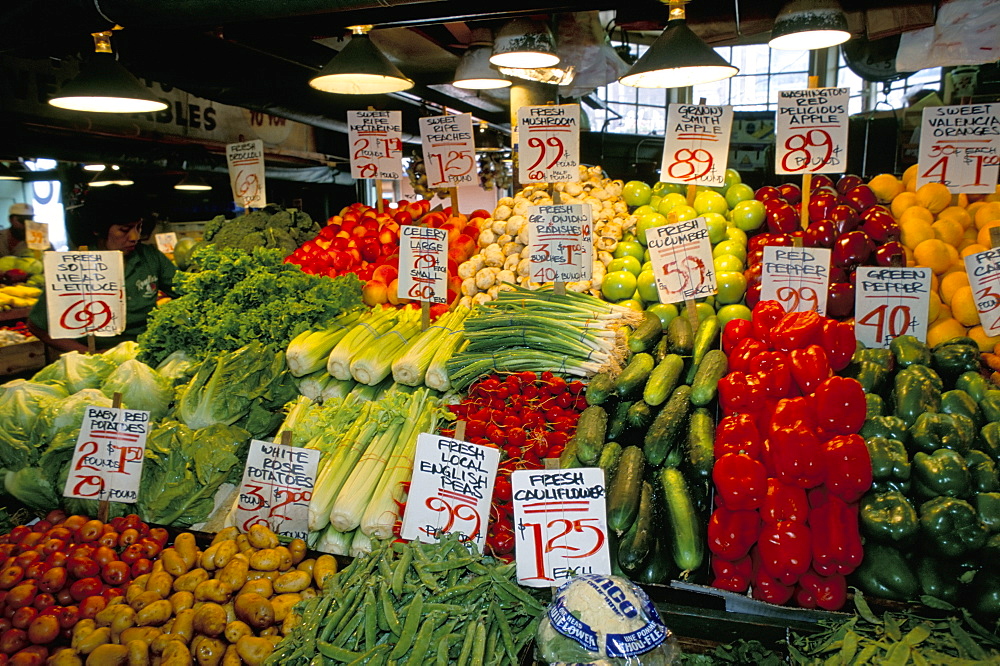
x: 621, y: 208
x: 614, y: 188
x: 593, y: 201
x: 487, y: 238
x: 465, y: 301
x: 598, y: 268
x: 498, y: 226
x: 481, y: 298
x: 507, y: 276
x: 469, y: 287
x: 600, y: 193
x: 510, y: 263
x: 503, y: 239
x: 526, y: 252
x: 602, y: 243
x: 629, y: 222
x: 605, y: 257
x: 493, y: 255
x: 522, y: 207
x: 469, y: 268
x: 514, y: 225
x: 493, y: 291
x: 512, y: 248
x: 574, y: 189
x: 502, y: 211
x: 522, y: 235
x: 596, y: 172
x: 612, y: 229
x: 597, y: 281
x: 579, y: 287
x: 524, y: 267
x: 505, y: 201
x: 486, y: 278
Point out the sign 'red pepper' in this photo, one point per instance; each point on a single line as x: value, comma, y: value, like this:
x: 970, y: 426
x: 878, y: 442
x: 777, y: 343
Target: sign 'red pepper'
x: 737, y: 433
x: 784, y: 502
x: 744, y: 351
x: 837, y: 338
x: 764, y: 317
x: 775, y: 372
x: 810, y: 367
x: 735, y: 332
x: 732, y: 576
x: 740, y: 481
x: 826, y: 592
x: 848, y: 467
x: 840, y: 405
x: 731, y: 534
x: 798, y: 456
x: 796, y: 330
x: 785, y: 550
x: 836, y: 540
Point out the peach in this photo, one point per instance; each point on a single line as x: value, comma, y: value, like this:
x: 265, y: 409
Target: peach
x: 375, y: 292
x: 394, y: 297
x: 385, y: 273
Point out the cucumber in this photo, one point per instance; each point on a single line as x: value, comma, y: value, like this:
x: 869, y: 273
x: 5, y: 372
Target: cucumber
x: 568, y: 459
x: 637, y: 544
x: 660, y: 565
x: 610, y: 456
x: 662, y: 435
x: 625, y: 489
x: 688, y: 541
x: 706, y: 380
x: 633, y: 378
x: 639, y: 414
x: 680, y: 337
x: 616, y: 569
x: 618, y: 424
x: 663, y: 380
x: 660, y: 351
x: 706, y: 337
x: 700, y: 443
x: 646, y: 334
x: 590, y: 431
x: 600, y: 388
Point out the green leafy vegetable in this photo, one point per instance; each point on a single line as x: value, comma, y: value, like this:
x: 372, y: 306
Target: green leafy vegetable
x: 141, y: 387
x: 75, y: 371
x: 65, y: 416
x: 21, y: 402
x: 33, y: 487
x: 269, y: 227
x: 123, y: 351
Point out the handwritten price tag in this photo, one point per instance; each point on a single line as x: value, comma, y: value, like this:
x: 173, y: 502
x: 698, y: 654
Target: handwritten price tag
x: 423, y: 263
x: 562, y: 243
x: 560, y: 525
x: 276, y: 489
x: 107, y: 460
x: 85, y: 293
x: 36, y: 234
x: 376, y: 144
x: 960, y: 147
x: 246, y: 173
x: 983, y: 269
x: 681, y: 255
x: 449, y: 150
x: 890, y: 302
x: 450, y: 491
x: 165, y: 243
x: 796, y: 277
x: 811, y: 131
x: 549, y: 143
x: 696, y: 147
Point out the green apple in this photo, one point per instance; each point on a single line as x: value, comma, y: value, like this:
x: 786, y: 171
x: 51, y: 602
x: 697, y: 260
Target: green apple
x: 625, y: 263
x: 716, y: 227
x: 732, y: 177
x: 737, y: 193
x: 732, y: 286
x: 736, y: 234
x: 646, y: 257
x: 647, y: 287
x: 631, y: 303
x: 648, y: 221
x: 671, y: 201
x: 727, y: 262
x: 636, y: 193
x: 647, y: 265
x: 730, y: 247
x: 665, y: 311
x: 748, y: 215
x: 654, y: 201
x: 710, y: 202
x: 684, y: 212
x: 643, y: 210
x: 618, y: 285
x: 663, y: 189
x: 733, y: 311
x: 630, y: 248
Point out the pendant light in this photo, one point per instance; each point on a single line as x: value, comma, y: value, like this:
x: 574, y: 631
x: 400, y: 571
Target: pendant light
x: 360, y: 69
x: 103, y: 85
x: 192, y: 183
x: 489, y: 140
x: 526, y: 44
x: 677, y: 58
x: 112, y: 176
x: 804, y: 25
x: 474, y: 71
x: 6, y: 173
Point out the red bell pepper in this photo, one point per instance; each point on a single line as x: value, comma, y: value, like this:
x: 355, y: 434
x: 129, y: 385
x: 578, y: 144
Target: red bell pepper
x: 767, y: 587
x: 740, y: 393
x: 765, y: 412
x: 798, y: 456
x: 790, y: 411
x: 740, y: 481
x: 775, y: 371
x: 735, y: 332
x: 784, y: 502
x: 796, y: 330
x: 848, y: 466
x: 744, y: 351
x: 737, y: 433
x: 732, y: 576
x: 810, y: 367
x: 731, y: 534
x: 826, y: 592
x: 785, y: 550
x: 764, y: 316
x: 836, y: 543
x: 837, y: 338
x: 840, y: 405
x: 767, y: 458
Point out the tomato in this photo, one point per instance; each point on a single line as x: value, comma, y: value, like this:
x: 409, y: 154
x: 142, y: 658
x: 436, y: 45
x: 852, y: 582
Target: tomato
x: 103, y: 555
x: 81, y: 550
x: 108, y: 539
x: 128, y: 537
x: 11, y: 576
x: 92, y: 605
x: 52, y: 545
x: 33, y: 655
x: 501, y: 542
x: 43, y: 629
x: 56, y: 516
x: 68, y: 616
x: 112, y: 592
x: 141, y: 566
x: 60, y: 532
x: 64, y: 597
x: 75, y: 522
x: 82, y: 567
x: 21, y: 595
x: 6, y: 550
x: 150, y: 547
x: 132, y: 521
x: 19, y: 533
x: 35, y: 570
x: 116, y: 573
x: 91, y: 530
x: 13, y: 640
x: 41, y: 526
x: 23, y: 616
x: 4, y: 625
x: 56, y: 559
x: 43, y: 601
x: 133, y: 554
x: 86, y: 587
x: 118, y: 523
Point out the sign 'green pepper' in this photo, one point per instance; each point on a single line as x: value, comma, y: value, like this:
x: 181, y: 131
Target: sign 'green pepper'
x: 940, y: 473
x: 932, y: 431
x: 989, y: 439
x: 908, y: 351
x: 915, y: 395
x: 974, y: 384
x: 988, y: 508
x: 885, y: 573
x: 982, y: 472
x: 960, y: 402
x: 890, y: 427
x: 889, y: 518
x: 889, y: 460
x: 956, y: 356
x: 951, y: 526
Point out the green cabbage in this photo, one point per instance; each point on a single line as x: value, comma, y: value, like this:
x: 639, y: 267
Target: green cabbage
x: 123, y: 351
x: 33, y: 487
x: 21, y: 402
x: 65, y: 415
x: 141, y: 387
x: 178, y: 366
x: 75, y: 371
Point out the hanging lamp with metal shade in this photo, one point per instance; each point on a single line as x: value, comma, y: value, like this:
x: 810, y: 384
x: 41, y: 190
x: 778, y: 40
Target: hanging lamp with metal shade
x: 103, y: 85
x: 524, y: 43
x: 474, y: 70
x: 192, y: 183
x: 805, y: 25
x: 361, y: 69
x: 112, y: 176
x: 677, y: 58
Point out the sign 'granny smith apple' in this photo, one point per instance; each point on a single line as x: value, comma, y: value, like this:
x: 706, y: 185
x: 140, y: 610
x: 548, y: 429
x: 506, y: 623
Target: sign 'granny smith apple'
x: 548, y: 143
x: 960, y: 147
x: 811, y: 131
x: 890, y: 302
x: 681, y: 255
x: 696, y: 146
x: 796, y: 277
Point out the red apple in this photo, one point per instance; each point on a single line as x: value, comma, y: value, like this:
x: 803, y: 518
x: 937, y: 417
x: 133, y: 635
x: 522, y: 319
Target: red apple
x: 791, y: 193
x: 821, y: 180
x: 753, y: 294
x: 481, y: 213
x: 455, y: 284
x: 453, y: 231
x: 370, y: 248
x: 820, y: 205
x: 844, y: 219
x: 394, y: 295
x: 890, y: 254
x: 850, y: 250
x: 403, y: 217
x: 387, y: 236
x: 880, y: 225
x: 862, y: 197
x: 359, y: 231
x: 781, y: 218
x: 847, y: 182
x: 463, y: 246
x: 767, y: 192
x: 840, y: 300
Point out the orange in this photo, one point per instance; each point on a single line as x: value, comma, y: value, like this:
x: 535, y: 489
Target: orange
x: 944, y: 312
x: 943, y: 330
x: 950, y: 231
x: 963, y: 307
x: 902, y: 202
x: 934, y: 306
x: 915, y: 231
x: 910, y: 175
x: 988, y: 212
x: 973, y: 249
x: 986, y: 343
x: 973, y: 207
x: 951, y: 283
x: 886, y: 187
x: 935, y: 283
x: 971, y: 234
x: 984, y: 233
x: 959, y: 214
x: 934, y: 254
x: 961, y: 200
x: 957, y: 266
x: 935, y: 197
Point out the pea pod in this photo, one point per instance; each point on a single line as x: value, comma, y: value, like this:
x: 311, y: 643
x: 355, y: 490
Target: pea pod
x: 409, y: 629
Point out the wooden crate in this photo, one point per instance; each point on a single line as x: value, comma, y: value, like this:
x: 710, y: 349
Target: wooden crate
x: 21, y: 357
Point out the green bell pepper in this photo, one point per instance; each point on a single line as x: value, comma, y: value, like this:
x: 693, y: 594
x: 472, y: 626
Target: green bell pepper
x: 889, y: 518
x: 989, y: 440
x: 924, y: 372
x: 951, y: 526
x: 940, y: 473
x: 932, y: 431
x: 987, y: 593
x: 953, y: 358
x: 982, y: 472
x: 939, y: 578
x: 885, y: 573
x: 908, y: 351
x: 890, y: 427
x: 914, y: 395
x: 988, y: 508
x: 874, y: 404
x: 990, y: 406
x: 974, y: 384
x: 878, y: 355
x: 871, y: 376
x: 889, y: 459
x: 960, y: 402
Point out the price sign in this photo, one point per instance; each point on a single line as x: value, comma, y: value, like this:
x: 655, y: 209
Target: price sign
x: 276, y: 488
x: 549, y: 143
x: 796, y: 277
x: 681, y: 255
x: 107, y: 460
x: 960, y: 147
x: 165, y: 242
x: 811, y: 131
x: 423, y: 263
x: 983, y: 269
x: 890, y: 302
x: 246, y: 173
x: 560, y: 525
x: 36, y: 234
x: 450, y: 491
x: 376, y: 144
x: 85, y: 293
x: 696, y: 147
x: 449, y: 150
x: 562, y: 243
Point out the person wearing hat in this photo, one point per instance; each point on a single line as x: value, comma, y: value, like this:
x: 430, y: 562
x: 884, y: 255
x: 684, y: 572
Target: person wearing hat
x: 12, y: 240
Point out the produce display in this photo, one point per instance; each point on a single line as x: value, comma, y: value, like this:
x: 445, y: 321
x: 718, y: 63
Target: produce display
x: 15, y: 335
x: 269, y: 227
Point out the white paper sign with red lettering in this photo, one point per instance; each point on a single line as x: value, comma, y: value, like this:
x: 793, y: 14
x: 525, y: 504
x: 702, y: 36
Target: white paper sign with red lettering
x: 960, y: 147
x: 246, y: 173
x: 983, y: 269
x: 85, y: 293
x: 696, y: 146
x: 548, y: 145
x: 560, y: 525
x: 450, y: 491
x: 277, y: 486
x: 811, y: 131
x: 890, y: 302
x: 376, y: 144
x: 423, y: 263
x: 681, y: 254
x: 107, y: 460
x: 166, y: 242
x: 796, y: 277
x: 36, y: 234
x: 449, y: 150
x: 561, y: 239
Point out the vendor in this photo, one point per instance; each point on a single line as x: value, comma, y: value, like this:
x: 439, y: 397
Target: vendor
x: 115, y: 225
x: 12, y: 239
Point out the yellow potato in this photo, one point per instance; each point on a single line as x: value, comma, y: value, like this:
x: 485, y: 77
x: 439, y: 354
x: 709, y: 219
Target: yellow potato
x: 225, y: 552
x: 209, y: 652
x: 230, y: 658
x: 213, y: 590
x: 175, y: 654
x: 291, y: 620
x: 234, y: 574
x: 97, y: 637
x: 107, y: 615
x: 271, y: 631
x: 253, y: 651
x: 207, y: 560
x: 210, y: 619
x: 230, y: 612
x: 275, y: 638
x: 306, y: 565
x: 298, y: 549
x: 189, y: 581
x: 243, y: 543
x: 81, y: 630
x: 154, y: 614
x: 173, y: 563
x: 292, y: 581
x: 261, y: 586
x: 133, y: 591
x: 145, y: 599
x: 108, y: 654
x: 140, y: 581
x: 236, y: 630
x: 157, y: 566
x: 325, y: 566
x: 138, y: 653
x: 186, y: 547
x: 162, y: 583
x: 161, y: 642
x: 308, y: 593
x: 181, y: 601
x: 268, y: 559
x: 225, y: 534
x: 261, y: 536
x: 260, y: 575
x: 283, y: 604
x: 145, y: 634
x: 255, y: 610
x: 125, y: 619
x: 65, y: 657
x: 184, y: 624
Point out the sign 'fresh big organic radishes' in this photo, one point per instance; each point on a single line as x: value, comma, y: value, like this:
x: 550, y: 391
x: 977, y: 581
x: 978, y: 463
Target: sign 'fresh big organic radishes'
x: 423, y: 263
x: 376, y: 145
x: 811, y: 131
x: 107, y: 460
x: 890, y: 302
x: 797, y: 277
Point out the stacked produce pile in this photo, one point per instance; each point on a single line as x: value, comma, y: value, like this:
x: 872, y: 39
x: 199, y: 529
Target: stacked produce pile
x: 20, y: 278
x: 269, y: 227
x: 15, y: 335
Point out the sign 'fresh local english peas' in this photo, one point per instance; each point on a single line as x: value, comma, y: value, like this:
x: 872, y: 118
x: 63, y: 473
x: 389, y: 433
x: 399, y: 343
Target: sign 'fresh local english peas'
x: 561, y: 242
x: 983, y: 269
x: 890, y: 302
x: 811, y: 131
x: 960, y: 147
x: 107, y: 460
x: 548, y: 143
x: 560, y: 525
x: 277, y: 486
x: 376, y: 145
x: 423, y: 263
x: 681, y: 254
x: 696, y: 147
x: 85, y: 293
x: 450, y: 491
x: 449, y: 150
x: 796, y: 277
